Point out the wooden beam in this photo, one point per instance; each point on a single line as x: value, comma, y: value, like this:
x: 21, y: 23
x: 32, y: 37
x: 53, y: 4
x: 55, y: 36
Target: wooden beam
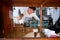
x: 52, y: 4
x: 41, y: 17
x: 41, y: 7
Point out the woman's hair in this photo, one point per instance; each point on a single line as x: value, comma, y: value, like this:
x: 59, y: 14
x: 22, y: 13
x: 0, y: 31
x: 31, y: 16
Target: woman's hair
x: 34, y: 8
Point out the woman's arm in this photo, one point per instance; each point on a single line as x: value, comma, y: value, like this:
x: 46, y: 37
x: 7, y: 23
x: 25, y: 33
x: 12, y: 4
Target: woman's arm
x: 36, y: 17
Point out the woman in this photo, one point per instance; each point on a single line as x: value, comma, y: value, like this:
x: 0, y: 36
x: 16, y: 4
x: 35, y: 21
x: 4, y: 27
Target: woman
x: 29, y: 14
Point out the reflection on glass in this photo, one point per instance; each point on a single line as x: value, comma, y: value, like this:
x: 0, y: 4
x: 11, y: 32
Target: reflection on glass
x: 26, y: 21
x: 51, y: 21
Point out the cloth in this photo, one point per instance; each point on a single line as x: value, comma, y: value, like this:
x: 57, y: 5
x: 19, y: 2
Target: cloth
x: 49, y: 33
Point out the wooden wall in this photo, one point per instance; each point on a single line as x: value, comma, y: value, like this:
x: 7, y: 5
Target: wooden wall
x: 6, y: 6
x: 34, y: 39
x: 6, y: 19
x: 1, y: 21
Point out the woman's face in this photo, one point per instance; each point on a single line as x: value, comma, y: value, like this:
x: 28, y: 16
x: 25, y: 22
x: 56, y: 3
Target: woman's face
x: 30, y: 10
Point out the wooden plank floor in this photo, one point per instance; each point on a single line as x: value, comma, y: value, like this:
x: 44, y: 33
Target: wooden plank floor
x: 18, y: 33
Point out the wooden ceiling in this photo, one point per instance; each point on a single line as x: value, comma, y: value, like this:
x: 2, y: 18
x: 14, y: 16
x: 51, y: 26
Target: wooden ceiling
x: 52, y: 3
x: 36, y: 2
x: 32, y: 2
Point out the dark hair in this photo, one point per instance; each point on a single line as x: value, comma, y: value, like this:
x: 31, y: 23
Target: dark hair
x: 34, y: 8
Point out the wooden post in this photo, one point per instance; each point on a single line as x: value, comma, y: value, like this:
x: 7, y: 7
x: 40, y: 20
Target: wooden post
x: 41, y: 7
x: 41, y: 17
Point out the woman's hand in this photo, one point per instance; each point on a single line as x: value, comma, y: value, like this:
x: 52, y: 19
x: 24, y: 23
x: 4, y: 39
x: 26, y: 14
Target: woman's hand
x: 17, y: 17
